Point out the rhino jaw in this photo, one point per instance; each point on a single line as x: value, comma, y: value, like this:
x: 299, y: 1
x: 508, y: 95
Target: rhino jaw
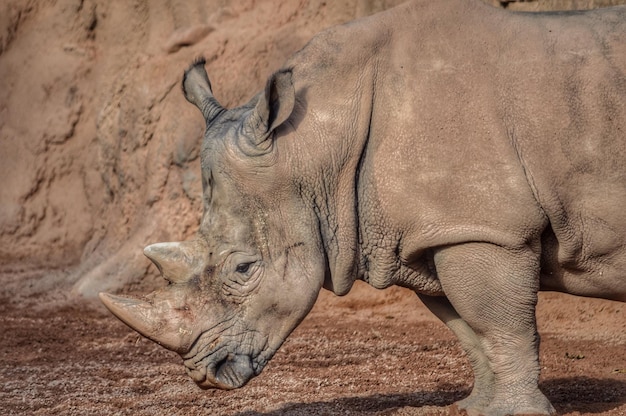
x: 155, y: 321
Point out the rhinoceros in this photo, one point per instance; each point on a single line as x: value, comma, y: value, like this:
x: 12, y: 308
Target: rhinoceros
x: 467, y: 153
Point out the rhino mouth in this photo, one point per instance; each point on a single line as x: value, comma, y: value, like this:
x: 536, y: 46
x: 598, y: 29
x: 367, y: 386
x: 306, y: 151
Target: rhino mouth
x: 230, y: 372
x: 221, y: 368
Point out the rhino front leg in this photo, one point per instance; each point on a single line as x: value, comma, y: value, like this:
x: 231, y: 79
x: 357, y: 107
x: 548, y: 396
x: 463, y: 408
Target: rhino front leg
x: 484, y: 381
x: 494, y: 290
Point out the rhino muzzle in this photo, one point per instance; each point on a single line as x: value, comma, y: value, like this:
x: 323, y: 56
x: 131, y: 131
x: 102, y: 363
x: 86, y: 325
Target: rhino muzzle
x: 212, y: 357
x: 214, y: 364
x: 223, y: 370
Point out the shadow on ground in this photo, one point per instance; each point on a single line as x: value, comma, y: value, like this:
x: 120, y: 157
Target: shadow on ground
x: 378, y: 404
x: 584, y: 394
x: 569, y: 395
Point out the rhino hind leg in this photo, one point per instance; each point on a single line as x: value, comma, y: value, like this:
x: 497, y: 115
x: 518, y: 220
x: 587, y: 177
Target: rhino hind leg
x: 484, y: 381
x: 493, y: 290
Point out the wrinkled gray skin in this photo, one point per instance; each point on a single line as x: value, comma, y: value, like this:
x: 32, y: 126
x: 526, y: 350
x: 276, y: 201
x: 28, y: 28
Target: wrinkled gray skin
x: 472, y: 155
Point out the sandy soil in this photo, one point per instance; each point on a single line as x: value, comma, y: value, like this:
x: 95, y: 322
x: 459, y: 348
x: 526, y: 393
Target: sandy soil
x: 369, y: 353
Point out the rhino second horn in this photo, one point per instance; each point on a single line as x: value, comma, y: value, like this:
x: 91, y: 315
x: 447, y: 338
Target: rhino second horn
x: 149, y: 320
x: 197, y: 90
x: 174, y: 260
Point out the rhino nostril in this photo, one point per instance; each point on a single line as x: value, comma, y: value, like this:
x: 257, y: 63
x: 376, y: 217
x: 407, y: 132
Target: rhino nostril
x: 234, y: 371
x: 221, y: 365
x: 224, y: 363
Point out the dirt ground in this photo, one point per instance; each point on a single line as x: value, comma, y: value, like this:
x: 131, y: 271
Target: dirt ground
x: 368, y: 353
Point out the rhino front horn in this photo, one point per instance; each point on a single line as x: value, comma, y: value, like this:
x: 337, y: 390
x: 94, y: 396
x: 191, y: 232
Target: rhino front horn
x: 157, y: 322
x: 176, y: 261
x: 197, y: 90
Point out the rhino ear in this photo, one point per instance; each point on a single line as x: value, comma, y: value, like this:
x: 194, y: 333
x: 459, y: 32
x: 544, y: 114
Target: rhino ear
x: 197, y: 90
x: 273, y: 108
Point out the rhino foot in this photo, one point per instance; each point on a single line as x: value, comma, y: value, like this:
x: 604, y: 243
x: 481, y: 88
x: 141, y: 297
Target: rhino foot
x: 475, y: 402
x: 536, y: 407
x: 455, y: 410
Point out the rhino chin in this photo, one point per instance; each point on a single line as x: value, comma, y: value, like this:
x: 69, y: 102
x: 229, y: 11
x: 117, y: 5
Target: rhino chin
x: 230, y: 373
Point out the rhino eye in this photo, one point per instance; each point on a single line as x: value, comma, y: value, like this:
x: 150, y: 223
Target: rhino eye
x: 237, y: 286
x: 243, y: 267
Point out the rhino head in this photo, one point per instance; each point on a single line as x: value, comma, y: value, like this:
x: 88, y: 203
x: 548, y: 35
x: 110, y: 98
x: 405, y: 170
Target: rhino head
x: 256, y: 265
